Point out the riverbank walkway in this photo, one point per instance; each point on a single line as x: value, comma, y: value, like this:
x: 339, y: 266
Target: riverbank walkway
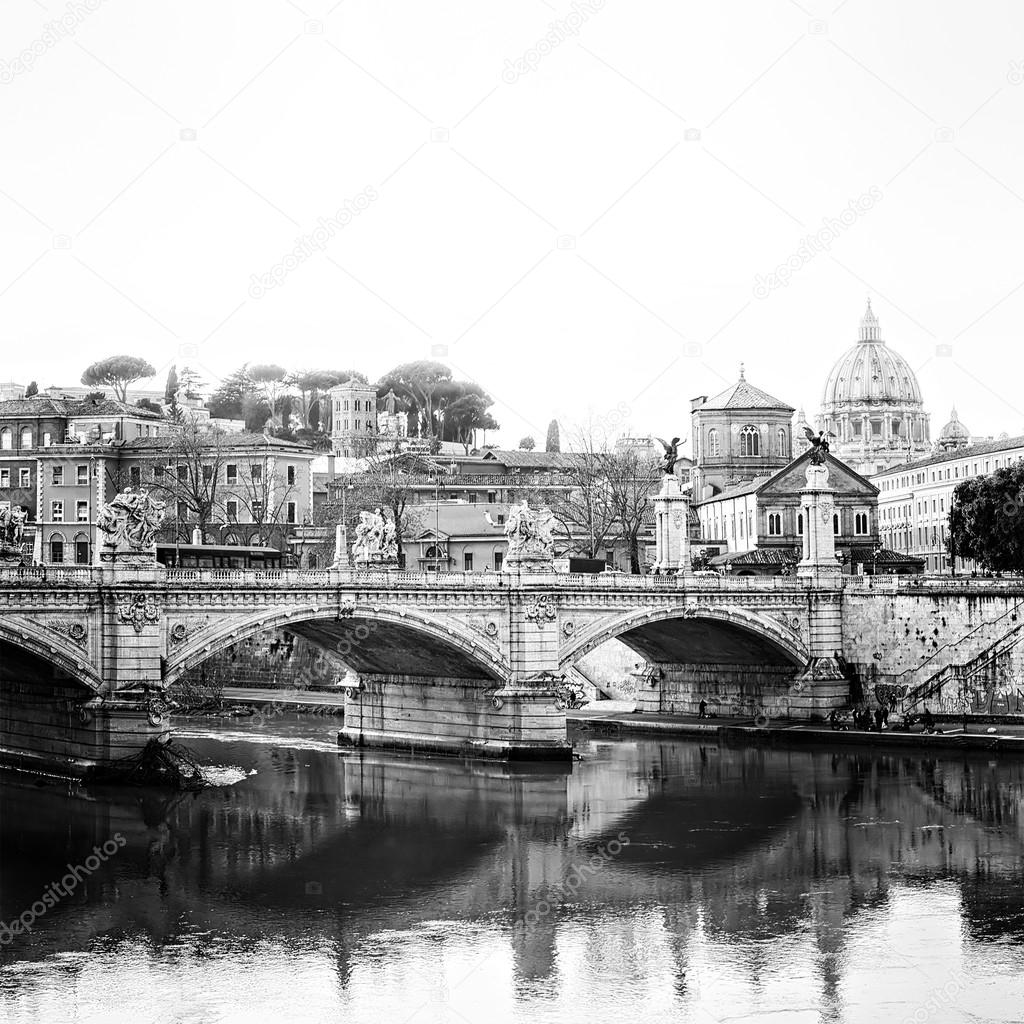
x: 614, y: 717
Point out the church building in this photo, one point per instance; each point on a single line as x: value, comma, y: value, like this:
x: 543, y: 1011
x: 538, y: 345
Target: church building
x: 872, y: 404
x: 739, y: 435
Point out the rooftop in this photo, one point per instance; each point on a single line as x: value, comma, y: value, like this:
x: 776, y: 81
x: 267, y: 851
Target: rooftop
x: 743, y: 395
x: 971, y: 451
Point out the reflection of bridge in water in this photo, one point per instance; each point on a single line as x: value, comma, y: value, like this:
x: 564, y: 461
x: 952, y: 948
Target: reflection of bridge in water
x: 338, y: 850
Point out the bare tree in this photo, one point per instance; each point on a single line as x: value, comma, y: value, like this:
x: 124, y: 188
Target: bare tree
x: 632, y: 478
x: 587, y: 513
x: 186, y: 471
x: 265, y: 495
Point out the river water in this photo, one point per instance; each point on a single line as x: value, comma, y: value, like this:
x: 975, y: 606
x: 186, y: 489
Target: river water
x: 655, y: 881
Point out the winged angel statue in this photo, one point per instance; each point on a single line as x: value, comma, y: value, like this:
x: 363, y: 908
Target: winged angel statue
x: 819, y: 445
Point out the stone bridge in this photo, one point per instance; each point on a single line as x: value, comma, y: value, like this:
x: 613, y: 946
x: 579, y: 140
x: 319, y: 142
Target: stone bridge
x: 469, y: 663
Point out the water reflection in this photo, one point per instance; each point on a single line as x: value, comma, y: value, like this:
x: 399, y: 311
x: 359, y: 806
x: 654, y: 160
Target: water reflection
x: 655, y: 881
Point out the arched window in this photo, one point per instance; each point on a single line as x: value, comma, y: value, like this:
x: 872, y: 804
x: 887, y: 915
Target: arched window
x: 800, y: 524
x: 713, y: 449
x: 774, y: 524
x: 81, y: 549
x: 26, y: 437
x: 6, y: 438
x: 835, y: 524
x: 750, y: 441
x: 57, y: 548
x: 860, y: 524
x: 783, y: 447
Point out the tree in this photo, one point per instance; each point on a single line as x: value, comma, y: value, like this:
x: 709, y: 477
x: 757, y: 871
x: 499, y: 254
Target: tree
x: 553, y: 443
x: 146, y: 403
x: 467, y: 414
x: 171, y: 387
x: 187, y: 473
x: 586, y: 512
x: 527, y: 444
x: 118, y: 372
x: 226, y: 402
x: 418, y: 382
x: 32, y: 390
x: 986, y: 520
x: 633, y: 478
x: 190, y: 382
x: 263, y: 495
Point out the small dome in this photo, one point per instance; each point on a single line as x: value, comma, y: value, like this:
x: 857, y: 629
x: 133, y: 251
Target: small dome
x: 870, y: 373
x: 954, y: 430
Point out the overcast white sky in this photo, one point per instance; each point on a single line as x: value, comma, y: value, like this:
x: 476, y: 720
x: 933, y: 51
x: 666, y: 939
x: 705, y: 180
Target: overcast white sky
x: 583, y: 224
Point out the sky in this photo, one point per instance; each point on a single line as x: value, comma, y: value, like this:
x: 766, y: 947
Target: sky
x: 583, y: 206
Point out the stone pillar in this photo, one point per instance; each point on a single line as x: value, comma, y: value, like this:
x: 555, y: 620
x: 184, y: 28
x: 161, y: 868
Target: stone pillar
x: 818, y: 505
x: 671, y: 529
x: 341, y: 559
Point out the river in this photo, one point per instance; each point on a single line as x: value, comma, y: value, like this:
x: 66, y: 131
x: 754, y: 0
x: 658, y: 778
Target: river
x: 654, y: 881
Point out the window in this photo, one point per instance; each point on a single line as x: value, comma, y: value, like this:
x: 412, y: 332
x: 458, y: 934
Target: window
x: 860, y: 524
x: 158, y: 472
x: 207, y: 473
x: 135, y: 476
x: 358, y: 424
x: 800, y: 524
x: 183, y: 474
x: 467, y: 561
x: 6, y: 438
x: 82, y: 511
x: 81, y: 551
x: 750, y: 441
x: 5, y: 478
x: 472, y: 497
x: 26, y: 437
x: 47, y: 439
x: 57, y: 511
x: 291, y: 476
x: 57, y: 477
x: 492, y: 496
x: 782, y: 441
x: 57, y: 549
x: 344, y: 405
x: 714, y: 451
x: 501, y: 520
x: 24, y: 477
x: 356, y: 405
x: 498, y: 559
x: 774, y: 524
x: 836, y: 524
x: 232, y: 511
x: 81, y: 474
x: 257, y: 511
x: 344, y: 425
x: 291, y: 512
x: 231, y: 473
x: 182, y: 511
x: 256, y: 472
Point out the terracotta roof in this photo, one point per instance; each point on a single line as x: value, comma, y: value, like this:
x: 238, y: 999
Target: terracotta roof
x: 743, y: 395
x: 516, y: 459
x: 229, y: 442
x: 758, y: 556
x: 985, y: 448
x: 72, y: 408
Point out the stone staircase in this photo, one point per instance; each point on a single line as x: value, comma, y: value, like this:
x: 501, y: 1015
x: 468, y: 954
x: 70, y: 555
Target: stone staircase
x: 1009, y: 630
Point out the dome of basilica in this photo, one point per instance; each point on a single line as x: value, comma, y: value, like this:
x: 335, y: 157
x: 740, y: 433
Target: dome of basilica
x: 870, y: 373
x: 954, y: 430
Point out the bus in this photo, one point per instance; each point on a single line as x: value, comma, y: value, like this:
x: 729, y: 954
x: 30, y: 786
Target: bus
x: 227, y: 556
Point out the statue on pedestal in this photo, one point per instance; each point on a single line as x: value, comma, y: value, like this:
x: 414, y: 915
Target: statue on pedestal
x: 819, y: 445
x: 12, y: 534
x: 671, y: 456
x: 376, y: 540
x: 130, y: 521
x: 528, y: 532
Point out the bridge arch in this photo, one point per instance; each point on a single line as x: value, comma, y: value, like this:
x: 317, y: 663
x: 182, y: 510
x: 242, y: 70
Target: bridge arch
x: 26, y: 635
x: 367, y: 638
x: 686, y: 633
